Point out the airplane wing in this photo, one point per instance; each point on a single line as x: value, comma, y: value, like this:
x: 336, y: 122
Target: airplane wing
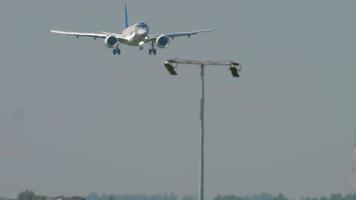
x: 90, y: 35
x: 180, y: 34
x: 78, y: 34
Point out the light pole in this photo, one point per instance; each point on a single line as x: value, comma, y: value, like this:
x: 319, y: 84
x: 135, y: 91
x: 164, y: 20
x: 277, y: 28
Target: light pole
x: 235, y: 67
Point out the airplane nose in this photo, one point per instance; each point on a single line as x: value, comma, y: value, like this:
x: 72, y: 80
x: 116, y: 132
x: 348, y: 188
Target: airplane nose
x: 141, y: 31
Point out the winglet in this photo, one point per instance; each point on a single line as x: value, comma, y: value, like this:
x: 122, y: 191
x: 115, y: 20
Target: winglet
x: 126, y: 17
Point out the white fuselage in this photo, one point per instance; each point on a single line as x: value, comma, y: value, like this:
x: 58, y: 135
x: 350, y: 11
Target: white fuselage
x: 135, y: 35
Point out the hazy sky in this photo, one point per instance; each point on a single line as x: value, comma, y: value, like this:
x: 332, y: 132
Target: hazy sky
x: 76, y: 119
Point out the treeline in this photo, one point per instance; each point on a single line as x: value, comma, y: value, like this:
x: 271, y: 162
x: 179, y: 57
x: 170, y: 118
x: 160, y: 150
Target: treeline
x: 265, y: 196
x: 30, y: 195
x: 95, y: 196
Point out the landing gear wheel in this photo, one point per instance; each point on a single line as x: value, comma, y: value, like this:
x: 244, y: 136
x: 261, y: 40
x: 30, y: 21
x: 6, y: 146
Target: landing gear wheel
x: 152, y: 51
x: 116, y: 51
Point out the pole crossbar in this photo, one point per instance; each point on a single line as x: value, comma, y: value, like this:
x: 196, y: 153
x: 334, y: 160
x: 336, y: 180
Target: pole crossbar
x: 204, y: 62
x: 170, y: 65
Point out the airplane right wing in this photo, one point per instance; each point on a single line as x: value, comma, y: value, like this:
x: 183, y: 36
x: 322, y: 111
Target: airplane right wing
x: 79, y: 34
x: 90, y: 35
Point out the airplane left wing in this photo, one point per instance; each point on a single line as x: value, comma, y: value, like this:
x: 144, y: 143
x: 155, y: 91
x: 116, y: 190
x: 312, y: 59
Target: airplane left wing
x: 179, y: 34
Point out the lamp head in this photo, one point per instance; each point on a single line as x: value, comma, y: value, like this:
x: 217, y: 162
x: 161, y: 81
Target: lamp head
x: 170, y: 68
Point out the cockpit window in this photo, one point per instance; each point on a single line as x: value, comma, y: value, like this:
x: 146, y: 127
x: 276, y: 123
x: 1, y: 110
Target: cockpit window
x: 141, y: 25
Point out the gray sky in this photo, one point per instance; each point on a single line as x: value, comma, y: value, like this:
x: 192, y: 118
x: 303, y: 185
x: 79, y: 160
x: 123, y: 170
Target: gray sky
x: 75, y: 119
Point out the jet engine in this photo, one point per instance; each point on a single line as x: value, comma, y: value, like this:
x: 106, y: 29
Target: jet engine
x: 111, y: 41
x: 162, y: 41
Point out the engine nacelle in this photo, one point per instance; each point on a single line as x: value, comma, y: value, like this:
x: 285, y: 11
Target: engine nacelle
x: 162, y: 41
x: 111, y: 41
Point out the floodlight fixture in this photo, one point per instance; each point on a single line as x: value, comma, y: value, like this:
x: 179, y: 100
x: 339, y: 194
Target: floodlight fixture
x: 234, y: 71
x: 170, y: 68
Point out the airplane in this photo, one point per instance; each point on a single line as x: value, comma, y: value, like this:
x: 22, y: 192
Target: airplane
x: 134, y: 35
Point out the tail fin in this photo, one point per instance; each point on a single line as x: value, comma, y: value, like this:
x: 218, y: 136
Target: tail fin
x: 126, y: 17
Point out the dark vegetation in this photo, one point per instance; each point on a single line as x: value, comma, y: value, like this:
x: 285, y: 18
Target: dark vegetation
x: 30, y: 195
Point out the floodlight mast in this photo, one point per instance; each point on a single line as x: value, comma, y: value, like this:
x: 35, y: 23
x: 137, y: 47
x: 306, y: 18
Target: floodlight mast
x: 235, y: 67
x: 202, y: 106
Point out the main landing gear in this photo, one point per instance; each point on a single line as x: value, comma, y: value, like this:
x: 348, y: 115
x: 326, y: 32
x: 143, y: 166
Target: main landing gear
x: 116, y: 51
x: 152, y: 50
